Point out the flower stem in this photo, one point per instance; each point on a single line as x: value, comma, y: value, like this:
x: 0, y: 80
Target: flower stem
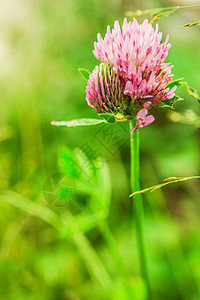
x: 138, y: 205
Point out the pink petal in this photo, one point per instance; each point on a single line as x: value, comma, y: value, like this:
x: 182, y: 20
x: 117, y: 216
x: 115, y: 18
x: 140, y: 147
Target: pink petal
x: 128, y: 88
x: 141, y: 114
x: 147, y: 104
x: 148, y: 120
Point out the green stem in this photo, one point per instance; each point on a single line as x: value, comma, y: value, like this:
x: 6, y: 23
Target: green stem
x: 138, y: 205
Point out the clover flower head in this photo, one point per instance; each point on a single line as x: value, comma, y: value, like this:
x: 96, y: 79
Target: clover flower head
x: 133, y: 75
x: 138, y: 57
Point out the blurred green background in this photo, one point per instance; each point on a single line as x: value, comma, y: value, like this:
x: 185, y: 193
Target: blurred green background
x: 51, y: 235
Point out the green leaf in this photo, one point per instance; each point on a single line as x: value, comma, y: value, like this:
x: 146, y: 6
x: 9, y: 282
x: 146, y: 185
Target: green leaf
x: 191, y: 91
x: 78, y: 122
x: 192, y: 24
x: 177, y: 82
x: 108, y: 117
x: 169, y: 103
x: 84, y: 73
x: 167, y: 181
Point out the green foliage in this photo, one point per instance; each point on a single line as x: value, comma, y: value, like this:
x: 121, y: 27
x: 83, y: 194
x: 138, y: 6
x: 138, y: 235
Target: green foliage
x: 78, y: 123
x: 177, y: 82
x: 169, y: 103
x: 191, y: 91
x: 108, y: 117
x: 84, y: 73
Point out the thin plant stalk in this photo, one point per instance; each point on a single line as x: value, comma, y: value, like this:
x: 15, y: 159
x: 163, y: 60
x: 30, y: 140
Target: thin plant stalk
x: 138, y: 205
